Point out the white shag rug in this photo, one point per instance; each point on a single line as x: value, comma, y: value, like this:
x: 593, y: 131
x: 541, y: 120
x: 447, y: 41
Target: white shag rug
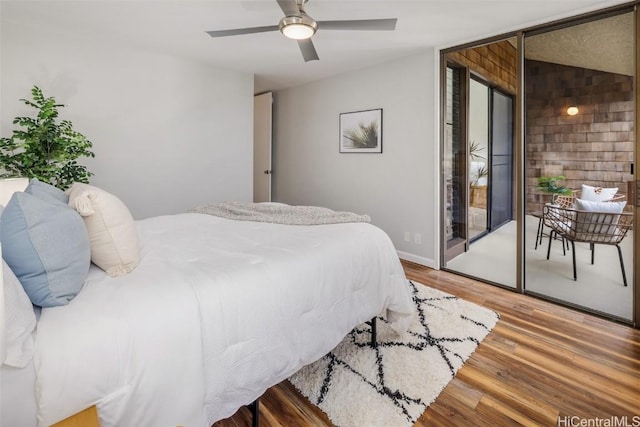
x: 393, y: 384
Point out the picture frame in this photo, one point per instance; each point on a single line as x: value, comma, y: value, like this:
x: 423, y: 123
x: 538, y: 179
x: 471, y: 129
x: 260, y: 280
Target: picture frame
x: 361, y: 131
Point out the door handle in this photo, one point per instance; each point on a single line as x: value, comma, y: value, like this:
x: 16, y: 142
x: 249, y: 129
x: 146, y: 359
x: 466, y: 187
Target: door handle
x: 267, y: 172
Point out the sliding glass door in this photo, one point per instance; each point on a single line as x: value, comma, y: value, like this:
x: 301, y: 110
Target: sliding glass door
x: 501, y: 161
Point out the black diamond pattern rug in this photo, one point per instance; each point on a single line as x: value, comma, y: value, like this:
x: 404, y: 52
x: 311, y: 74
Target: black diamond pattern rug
x: 393, y: 384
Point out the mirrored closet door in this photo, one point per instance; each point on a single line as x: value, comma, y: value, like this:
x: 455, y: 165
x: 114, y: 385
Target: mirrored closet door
x: 478, y: 163
x: 579, y: 148
x: 538, y: 151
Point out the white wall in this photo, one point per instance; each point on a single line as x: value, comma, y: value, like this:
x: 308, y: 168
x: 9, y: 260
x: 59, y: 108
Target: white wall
x: 397, y: 188
x: 168, y: 133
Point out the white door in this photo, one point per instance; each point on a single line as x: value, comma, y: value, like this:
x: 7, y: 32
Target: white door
x: 262, y: 112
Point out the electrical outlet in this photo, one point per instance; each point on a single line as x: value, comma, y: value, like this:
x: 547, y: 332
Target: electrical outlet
x: 417, y: 239
x: 407, y: 236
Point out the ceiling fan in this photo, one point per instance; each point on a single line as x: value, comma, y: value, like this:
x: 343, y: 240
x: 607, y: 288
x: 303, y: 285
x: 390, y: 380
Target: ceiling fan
x: 299, y: 26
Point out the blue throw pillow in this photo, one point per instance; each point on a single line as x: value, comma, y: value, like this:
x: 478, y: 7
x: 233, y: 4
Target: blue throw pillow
x: 46, y: 244
x: 42, y: 190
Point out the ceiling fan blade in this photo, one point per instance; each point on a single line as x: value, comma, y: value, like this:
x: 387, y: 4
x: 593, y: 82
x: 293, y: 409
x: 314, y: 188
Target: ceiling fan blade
x: 240, y: 31
x: 308, y: 50
x: 289, y: 7
x: 360, y: 24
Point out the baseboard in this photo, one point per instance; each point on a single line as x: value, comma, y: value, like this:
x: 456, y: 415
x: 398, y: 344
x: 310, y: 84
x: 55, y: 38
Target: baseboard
x: 418, y: 259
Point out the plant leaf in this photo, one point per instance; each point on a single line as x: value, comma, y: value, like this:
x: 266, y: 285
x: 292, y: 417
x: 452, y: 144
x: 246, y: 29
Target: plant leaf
x: 44, y: 148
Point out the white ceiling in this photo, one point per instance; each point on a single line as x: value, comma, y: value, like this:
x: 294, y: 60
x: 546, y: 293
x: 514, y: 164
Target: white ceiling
x: 178, y: 28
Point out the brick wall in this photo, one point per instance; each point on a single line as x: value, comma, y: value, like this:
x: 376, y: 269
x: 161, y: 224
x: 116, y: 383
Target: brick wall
x: 496, y: 63
x: 594, y: 147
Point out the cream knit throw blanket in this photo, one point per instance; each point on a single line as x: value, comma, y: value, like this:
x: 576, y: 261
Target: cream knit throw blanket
x: 279, y: 213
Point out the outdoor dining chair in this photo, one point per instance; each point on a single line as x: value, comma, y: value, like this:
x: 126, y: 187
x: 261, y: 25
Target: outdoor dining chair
x: 588, y: 226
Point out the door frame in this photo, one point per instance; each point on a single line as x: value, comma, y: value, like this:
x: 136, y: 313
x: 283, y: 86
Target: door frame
x: 461, y: 243
x: 262, y: 146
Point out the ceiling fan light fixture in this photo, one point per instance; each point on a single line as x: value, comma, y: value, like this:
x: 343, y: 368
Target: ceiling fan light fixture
x: 298, y: 27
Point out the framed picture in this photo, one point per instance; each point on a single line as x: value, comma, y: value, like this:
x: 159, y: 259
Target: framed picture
x: 361, y: 131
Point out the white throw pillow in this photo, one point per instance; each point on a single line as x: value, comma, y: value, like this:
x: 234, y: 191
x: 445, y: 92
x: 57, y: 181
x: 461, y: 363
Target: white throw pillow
x: 605, y: 207
x: 597, y: 194
x: 592, y: 216
x: 20, y: 321
x: 112, y: 230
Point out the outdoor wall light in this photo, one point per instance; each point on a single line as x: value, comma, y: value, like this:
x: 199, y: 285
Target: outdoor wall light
x: 573, y: 110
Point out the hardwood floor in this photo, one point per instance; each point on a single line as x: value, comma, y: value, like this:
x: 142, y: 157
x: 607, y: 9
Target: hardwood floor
x: 541, y: 363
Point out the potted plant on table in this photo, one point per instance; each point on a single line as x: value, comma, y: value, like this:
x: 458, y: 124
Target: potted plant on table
x: 477, y: 175
x: 45, y: 148
x: 549, y: 185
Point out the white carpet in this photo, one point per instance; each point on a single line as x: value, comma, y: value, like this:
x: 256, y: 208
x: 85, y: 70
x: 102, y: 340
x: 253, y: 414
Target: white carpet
x: 394, y: 383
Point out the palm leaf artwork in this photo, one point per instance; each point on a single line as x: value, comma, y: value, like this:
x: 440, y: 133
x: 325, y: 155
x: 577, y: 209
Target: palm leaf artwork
x: 362, y: 136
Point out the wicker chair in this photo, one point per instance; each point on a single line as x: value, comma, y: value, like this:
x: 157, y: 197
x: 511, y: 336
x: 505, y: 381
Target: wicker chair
x: 569, y: 201
x: 588, y: 227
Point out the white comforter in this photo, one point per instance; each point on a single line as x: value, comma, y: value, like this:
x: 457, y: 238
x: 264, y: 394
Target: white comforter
x: 217, y: 312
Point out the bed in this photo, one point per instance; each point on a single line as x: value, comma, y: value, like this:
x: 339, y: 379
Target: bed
x: 215, y: 312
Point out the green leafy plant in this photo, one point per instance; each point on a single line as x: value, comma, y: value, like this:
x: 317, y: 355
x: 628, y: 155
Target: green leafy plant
x: 549, y: 185
x: 363, y: 136
x: 474, y: 155
x: 480, y: 173
x: 474, y: 151
x: 45, y: 148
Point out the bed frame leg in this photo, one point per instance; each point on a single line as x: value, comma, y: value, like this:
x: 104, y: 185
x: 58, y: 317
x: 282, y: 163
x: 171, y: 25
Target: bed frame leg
x: 374, y: 342
x: 254, y: 407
